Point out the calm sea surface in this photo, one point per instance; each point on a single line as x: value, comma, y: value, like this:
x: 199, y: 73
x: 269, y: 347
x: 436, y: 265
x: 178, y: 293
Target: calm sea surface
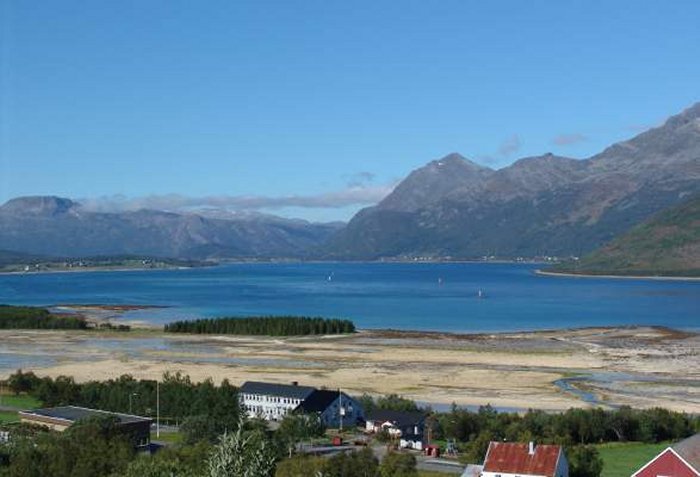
x: 375, y: 295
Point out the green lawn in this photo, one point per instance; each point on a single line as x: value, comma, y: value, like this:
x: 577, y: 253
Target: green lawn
x: 6, y: 416
x: 622, y: 459
x: 21, y: 401
x: 167, y: 437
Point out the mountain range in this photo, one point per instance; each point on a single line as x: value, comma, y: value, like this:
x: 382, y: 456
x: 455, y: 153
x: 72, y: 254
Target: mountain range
x: 543, y: 205
x: 450, y: 208
x: 55, y: 226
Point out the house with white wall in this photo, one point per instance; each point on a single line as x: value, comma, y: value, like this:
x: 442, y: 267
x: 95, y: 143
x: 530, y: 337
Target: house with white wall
x: 272, y: 401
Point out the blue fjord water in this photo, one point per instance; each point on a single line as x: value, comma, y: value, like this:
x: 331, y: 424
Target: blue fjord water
x: 421, y: 296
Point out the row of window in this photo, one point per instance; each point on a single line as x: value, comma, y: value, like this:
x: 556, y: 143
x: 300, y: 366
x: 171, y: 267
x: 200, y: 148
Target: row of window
x: 275, y: 399
x: 260, y: 410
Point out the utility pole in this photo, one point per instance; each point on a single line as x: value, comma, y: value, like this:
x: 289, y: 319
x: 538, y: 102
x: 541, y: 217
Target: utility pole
x: 157, y: 408
x: 130, y: 396
x: 340, y: 408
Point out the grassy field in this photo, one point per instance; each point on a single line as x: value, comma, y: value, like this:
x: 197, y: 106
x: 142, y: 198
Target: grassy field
x: 167, y: 437
x: 20, y: 402
x: 6, y: 416
x: 622, y: 459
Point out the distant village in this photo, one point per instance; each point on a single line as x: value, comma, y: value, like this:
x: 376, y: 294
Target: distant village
x: 351, y: 427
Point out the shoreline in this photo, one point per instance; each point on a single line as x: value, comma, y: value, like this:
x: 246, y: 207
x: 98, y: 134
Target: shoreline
x: 95, y: 270
x: 638, y: 366
x: 273, y: 262
x: 618, y: 277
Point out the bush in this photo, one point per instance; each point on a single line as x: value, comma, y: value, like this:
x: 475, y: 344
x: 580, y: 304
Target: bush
x: 29, y: 317
x: 300, y: 466
x: 397, y: 464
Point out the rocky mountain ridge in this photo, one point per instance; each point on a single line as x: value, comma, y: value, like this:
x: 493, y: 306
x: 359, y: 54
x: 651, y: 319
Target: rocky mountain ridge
x: 544, y: 205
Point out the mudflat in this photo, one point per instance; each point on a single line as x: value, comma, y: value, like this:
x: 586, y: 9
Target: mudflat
x: 551, y: 370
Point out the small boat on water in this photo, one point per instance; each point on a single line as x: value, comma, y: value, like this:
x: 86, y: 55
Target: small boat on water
x: 480, y: 294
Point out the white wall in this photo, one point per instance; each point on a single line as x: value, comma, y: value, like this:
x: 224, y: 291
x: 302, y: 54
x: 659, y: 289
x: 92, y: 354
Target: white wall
x: 268, y: 407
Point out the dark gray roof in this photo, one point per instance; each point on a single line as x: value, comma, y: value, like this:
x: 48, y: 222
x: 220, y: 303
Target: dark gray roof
x: 74, y: 413
x: 272, y: 389
x: 318, y: 401
x: 689, y: 449
x: 400, y: 418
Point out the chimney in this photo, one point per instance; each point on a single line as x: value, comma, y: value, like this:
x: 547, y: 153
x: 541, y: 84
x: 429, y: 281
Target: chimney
x: 531, y: 448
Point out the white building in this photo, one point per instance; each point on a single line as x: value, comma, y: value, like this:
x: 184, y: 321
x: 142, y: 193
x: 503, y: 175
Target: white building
x: 272, y: 401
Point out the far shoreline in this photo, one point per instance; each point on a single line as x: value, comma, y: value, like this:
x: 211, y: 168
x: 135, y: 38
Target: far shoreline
x: 620, y: 277
x: 95, y: 270
x: 225, y: 262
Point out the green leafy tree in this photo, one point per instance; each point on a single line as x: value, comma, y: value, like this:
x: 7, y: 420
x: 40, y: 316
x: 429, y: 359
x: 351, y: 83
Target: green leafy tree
x: 184, y: 461
x: 362, y: 463
x: 94, y: 448
x: 296, y: 428
x: 301, y: 466
x: 475, y: 450
x: 205, y: 428
x: 395, y: 402
x: 23, y: 382
x: 242, y: 455
x: 152, y: 467
x: 398, y: 464
x: 584, y: 461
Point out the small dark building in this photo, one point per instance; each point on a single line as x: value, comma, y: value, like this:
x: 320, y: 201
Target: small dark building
x: 61, y: 418
x: 409, y: 427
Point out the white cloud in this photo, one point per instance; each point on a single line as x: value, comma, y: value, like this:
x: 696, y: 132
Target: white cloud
x: 569, y: 139
x: 509, y: 145
x: 352, y: 195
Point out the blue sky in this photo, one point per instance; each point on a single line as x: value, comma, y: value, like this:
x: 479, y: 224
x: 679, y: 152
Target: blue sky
x: 314, y: 108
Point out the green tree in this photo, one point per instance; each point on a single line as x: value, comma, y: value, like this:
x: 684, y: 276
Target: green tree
x: 94, y: 448
x: 242, y: 455
x: 301, y: 466
x: 362, y: 463
x: 584, y: 461
x: 296, y: 428
x: 398, y: 464
x: 395, y: 402
x: 205, y: 428
x: 22, y: 382
x: 475, y: 451
x: 151, y: 467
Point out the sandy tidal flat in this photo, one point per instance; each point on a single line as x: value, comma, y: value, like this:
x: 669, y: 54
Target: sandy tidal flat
x: 552, y: 370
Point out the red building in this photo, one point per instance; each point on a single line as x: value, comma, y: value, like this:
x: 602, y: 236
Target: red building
x: 680, y: 460
x: 512, y: 459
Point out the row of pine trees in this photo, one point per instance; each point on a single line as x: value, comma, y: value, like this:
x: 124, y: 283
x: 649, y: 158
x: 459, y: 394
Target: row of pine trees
x: 265, y: 325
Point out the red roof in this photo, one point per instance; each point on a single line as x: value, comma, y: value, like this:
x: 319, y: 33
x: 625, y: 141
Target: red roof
x: 514, y: 458
x: 667, y: 463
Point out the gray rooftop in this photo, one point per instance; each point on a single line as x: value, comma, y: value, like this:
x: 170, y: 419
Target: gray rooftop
x: 689, y: 449
x: 400, y: 418
x: 74, y: 413
x: 281, y: 390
